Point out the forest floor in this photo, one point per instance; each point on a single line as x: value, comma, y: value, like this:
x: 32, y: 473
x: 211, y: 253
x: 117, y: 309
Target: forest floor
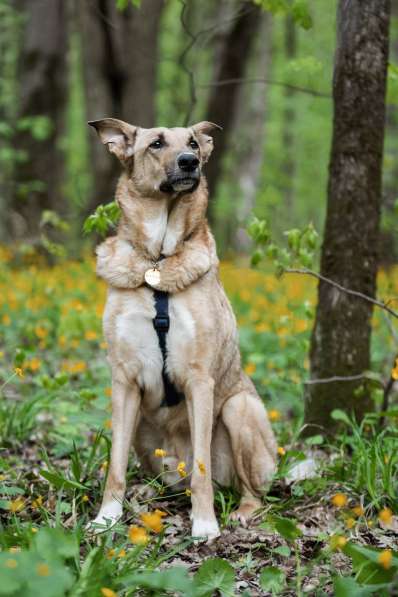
x: 335, y: 533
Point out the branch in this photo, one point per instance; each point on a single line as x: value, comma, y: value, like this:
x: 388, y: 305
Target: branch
x: 340, y: 378
x: 365, y: 297
x: 244, y: 81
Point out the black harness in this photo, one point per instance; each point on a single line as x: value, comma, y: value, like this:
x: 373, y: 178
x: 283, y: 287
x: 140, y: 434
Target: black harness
x: 161, y: 323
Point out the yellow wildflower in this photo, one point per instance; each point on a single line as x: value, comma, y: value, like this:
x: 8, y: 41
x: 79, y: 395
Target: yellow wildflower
x: 350, y: 523
x: 159, y: 453
x: 90, y: 335
x: 385, y: 515
x: 250, y: 368
x: 43, y: 570
x: 108, y: 592
x: 110, y: 553
x: 274, y: 414
x: 188, y: 492
x: 108, y: 392
x: 19, y: 371
x: 338, y: 542
x: 181, y: 469
x: 339, y: 500
x: 385, y: 558
x: 6, y: 319
x: 33, y: 530
x: 16, y: 505
x: 85, y: 498
x: 201, y: 467
x: 281, y: 451
x: 152, y: 521
x: 103, y: 345
x: 394, y: 372
x: 358, y: 510
x: 11, y: 563
x: 38, y: 502
x: 108, y: 424
x: 41, y: 332
x: 122, y: 553
x: 34, y: 364
x: 138, y: 535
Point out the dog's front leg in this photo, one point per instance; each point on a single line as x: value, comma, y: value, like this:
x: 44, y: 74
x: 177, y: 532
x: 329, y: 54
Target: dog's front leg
x: 200, y: 398
x: 126, y: 400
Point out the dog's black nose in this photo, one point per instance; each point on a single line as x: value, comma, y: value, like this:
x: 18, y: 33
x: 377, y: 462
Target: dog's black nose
x: 188, y: 162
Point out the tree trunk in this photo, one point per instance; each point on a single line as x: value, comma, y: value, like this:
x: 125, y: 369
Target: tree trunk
x: 223, y: 99
x: 341, y: 337
x: 289, y: 117
x: 251, y: 125
x: 119, y: 59
x: 42, y: 93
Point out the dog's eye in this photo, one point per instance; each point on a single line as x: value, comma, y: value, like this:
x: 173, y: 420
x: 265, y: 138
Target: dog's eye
x: 193, y: 144
x: 156, y: 144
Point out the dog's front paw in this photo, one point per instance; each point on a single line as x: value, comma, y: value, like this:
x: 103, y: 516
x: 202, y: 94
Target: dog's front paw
x: 107, y: 517
x: 205, y: 529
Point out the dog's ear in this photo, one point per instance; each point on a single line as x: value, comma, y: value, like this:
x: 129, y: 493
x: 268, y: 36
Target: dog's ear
x: 203, y: 131
x: 117, y: 135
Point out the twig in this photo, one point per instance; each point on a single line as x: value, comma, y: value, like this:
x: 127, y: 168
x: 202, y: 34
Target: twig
x: 244, y: 81
x: 340, y: 378
x: 365, y: 297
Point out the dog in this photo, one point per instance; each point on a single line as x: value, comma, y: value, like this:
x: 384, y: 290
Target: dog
x: 219, y: 430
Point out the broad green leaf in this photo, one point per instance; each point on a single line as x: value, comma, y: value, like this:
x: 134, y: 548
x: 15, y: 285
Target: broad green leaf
x: 345, y: 586
x: 286, y: 527
x: 214, y: 574
x: 272, y: 579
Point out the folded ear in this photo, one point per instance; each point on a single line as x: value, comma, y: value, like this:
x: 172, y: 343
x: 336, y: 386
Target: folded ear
x: 118, y: 135
x: 203, y: 130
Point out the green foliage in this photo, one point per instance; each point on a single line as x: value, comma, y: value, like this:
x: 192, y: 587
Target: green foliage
x: 104, y: 217
x: 123, y: 4
x: 272, y: 579
x: 299, y: 9
x: 301, y: 246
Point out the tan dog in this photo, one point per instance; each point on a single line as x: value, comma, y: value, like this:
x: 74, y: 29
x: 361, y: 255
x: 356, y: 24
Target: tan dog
x: 221, y: 430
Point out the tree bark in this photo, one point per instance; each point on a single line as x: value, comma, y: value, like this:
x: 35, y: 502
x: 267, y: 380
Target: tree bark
x: 251, y: 125
x: 340, y: 342
x: 119, y: 60
x: 289, y: 117
x: 42, y: 93
x: 223, y: 100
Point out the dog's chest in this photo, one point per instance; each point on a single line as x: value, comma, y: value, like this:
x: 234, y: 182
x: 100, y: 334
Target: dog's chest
x: 136, y: 344
x: 162, y: 233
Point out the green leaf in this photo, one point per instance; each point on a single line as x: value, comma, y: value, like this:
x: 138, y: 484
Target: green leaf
x: 366, y: 564
x: 340, y: 415
x: 345, y: 586
x: 286, y: 527
x: 214, y: 574
x: 282, y: 550
x: 172, y: 579
x: 59, y: 482
x: 272, y: 579
x: 301, y: 14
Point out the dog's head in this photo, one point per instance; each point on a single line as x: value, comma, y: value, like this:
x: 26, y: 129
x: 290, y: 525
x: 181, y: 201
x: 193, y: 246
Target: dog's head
x: 159, y: 160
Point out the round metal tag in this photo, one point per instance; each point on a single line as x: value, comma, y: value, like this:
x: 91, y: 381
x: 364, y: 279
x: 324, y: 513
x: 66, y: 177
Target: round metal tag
x: 152, y: 276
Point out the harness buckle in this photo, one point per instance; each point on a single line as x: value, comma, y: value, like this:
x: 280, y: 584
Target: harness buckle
x: 162, y: 323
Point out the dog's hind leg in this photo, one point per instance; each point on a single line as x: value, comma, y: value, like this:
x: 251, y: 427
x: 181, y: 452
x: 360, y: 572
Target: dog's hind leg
x: 126, y: 400
x: 253, y: 450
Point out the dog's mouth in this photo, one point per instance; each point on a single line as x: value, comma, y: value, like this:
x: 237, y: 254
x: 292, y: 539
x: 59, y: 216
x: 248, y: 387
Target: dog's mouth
x: 180, y: 184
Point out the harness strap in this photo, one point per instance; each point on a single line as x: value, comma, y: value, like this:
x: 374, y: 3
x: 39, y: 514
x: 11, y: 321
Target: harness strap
x: 161, y: 323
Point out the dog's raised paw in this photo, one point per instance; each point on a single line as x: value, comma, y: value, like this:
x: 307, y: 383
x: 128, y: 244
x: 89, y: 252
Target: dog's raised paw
x: 205, y: 530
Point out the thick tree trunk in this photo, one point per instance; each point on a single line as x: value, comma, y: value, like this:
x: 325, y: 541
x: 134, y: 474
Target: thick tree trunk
x: 341, y: 336
x: 119, y: 58
x: 42, y: 93
x: 223, y: 99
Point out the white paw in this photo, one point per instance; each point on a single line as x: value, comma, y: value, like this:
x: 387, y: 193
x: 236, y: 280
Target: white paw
x: 206, y: 529
x: 106, y: 518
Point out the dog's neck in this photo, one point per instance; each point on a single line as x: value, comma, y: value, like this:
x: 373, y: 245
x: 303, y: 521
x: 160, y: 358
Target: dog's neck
x: 159, y: 226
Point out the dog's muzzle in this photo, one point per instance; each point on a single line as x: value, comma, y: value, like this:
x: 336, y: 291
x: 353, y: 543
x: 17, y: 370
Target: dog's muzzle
x: 185, y: 178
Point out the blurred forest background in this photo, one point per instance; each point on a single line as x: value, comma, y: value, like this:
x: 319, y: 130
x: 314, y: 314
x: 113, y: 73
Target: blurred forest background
x: 260, y: 71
